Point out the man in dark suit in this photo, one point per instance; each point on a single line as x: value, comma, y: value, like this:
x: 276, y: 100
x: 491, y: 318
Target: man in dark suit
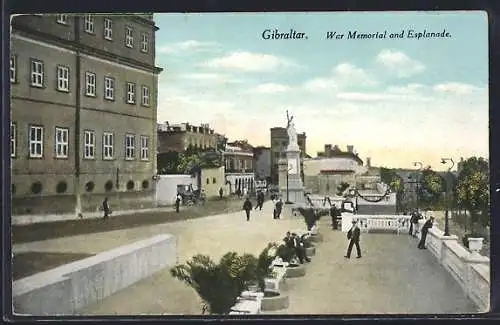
x: 334, y: 214
x: 106, y: 208
x: 425, y: 229
x: 299, y: 248
x: 277, y: 209
x: 247, y: 206
x: 353, y: 235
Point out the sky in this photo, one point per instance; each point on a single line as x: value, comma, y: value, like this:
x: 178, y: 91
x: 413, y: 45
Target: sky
x: 396, y: 100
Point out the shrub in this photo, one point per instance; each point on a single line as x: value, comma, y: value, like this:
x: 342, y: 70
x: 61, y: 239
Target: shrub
x: 285, y: 253
x: 264, y: 261
x: 218, y: 285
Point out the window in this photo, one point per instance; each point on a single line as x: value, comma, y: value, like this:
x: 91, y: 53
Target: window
x: 13, y: 69
x: 62, y: 19
x: 62, y: 135
x: 108, y: 144
x: 12, y: 139
x: 129, y: 37
x: 109, y: 88
x: 89, y: 145
x: 36, y: 73
x: 90, y: 84
x: 89, y: 24
x: 130, y: 93
x: 129, y: 147
x: 144, y: 148
x: 62, y: 78
x: 108, y: 29
x: 145, y: 43
x: 36, y: 142
x: 145, y: 96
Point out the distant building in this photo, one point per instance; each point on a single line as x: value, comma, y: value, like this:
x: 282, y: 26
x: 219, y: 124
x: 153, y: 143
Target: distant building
x: 178, y: 137
x: 332, y: 167
x: 239, y: 166
x: 279, y: 143
x: 83, y: 111
x: 262, y: 163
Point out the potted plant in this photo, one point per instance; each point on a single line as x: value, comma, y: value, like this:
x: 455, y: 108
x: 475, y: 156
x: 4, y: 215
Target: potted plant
x: 273, y: 298
x: 308, y: 245
x: 473, y: 241
x: 218, y: 285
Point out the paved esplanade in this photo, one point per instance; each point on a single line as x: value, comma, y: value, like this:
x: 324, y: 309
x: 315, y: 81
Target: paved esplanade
x: 392, y: 277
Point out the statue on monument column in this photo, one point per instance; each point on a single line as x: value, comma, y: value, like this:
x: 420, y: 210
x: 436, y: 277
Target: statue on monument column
x: 292, y: 133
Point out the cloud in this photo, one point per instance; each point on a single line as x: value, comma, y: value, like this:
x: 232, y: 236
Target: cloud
x: 270, y: 88
x: 186, y: 46
x: 399, y: 63
x: 249, y: 62
x: 457, y: 88
x: 210, y: 77
x: 344, y: 75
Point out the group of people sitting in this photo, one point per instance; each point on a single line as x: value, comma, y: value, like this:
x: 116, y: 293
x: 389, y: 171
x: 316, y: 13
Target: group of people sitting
x: 296, y: 246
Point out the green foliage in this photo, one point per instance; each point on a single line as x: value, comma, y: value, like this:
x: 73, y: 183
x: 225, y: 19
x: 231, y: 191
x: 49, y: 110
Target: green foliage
x: 173, y: 162
x: 220, y: 284
x: 431, y: 189
x: 168, y: 162
x: 472, y: 189
x: 264, y: 262
x: 341, y: 188
x: 387, y: 175
x: 285, y: 253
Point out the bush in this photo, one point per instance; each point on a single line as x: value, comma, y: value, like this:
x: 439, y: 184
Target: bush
x: 285, y: 253
x: 218, y: 285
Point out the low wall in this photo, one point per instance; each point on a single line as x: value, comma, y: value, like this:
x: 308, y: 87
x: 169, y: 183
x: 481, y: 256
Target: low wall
x: 67, y: 288
x: 469, y: 269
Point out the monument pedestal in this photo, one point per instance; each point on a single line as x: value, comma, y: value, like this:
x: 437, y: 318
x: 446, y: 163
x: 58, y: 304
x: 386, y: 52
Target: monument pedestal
x: 291, y: 187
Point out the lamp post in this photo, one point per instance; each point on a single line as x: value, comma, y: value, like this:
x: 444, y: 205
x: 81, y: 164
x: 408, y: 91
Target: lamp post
x: 446, y: 222
x: 288, y: 171
x: 417, y: 180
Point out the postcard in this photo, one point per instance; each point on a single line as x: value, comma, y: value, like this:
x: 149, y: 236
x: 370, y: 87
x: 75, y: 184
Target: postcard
x: 241, y: 164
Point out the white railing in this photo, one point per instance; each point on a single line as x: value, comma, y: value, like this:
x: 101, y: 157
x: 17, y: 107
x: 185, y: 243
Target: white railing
x: 368, y: 223
x: 470, y: 270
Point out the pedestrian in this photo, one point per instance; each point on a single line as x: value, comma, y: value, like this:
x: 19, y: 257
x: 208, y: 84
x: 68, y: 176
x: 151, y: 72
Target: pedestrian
x: 260, y: 200
x: 413, y: 223
x: 106, y: 208
x: 353, y: 236
x: 178, y: 200
x: 203, y: 197
x: 245, y: 192
x: 278, y: 208
x: 425, y: 229
x: 333, y: 214
x: 247, y: 206
x: 221, y: 192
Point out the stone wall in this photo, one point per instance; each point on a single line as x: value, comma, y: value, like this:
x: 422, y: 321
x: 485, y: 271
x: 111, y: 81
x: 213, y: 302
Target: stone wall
x: 67, y: 288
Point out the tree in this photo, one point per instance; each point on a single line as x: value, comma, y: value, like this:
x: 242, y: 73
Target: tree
x: 431, y: 189
x: 387, y: 175
x: 168, y: 162
x: 472, y: 190
x: 341, y: 188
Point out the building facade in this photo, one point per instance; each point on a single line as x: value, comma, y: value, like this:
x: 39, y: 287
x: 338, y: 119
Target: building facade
x: 178, y: 137
x: 239, y: 167
x: 83, y: 110
x: 279, y: 143
x: 262, y: 163
x: 330, y: 168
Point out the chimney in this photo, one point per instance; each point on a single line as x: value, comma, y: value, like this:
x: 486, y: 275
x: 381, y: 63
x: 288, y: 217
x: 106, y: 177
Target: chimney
x: 368, y: 162
x: 350, y: 148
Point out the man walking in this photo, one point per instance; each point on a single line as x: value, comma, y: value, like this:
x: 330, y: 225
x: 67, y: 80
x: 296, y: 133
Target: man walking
x: 277, y: 208
x: 106, y: 208
x: 353, y: 235
x: 425, y: 230
x: 260, y: 200
x: 221, y: 192
x: 247, y: 206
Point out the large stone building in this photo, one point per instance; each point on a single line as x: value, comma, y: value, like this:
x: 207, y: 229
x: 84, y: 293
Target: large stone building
x: 330, y: 168
x: 178, y: 137
x: 239, y: 166
x: 83, y: 110
x: 279, y: 143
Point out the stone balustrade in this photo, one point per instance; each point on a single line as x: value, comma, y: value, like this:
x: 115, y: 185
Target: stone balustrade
x: 367, y: 223
x: 470, y: 269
